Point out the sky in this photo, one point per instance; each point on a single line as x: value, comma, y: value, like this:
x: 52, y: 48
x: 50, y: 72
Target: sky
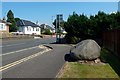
x: 45, y: 12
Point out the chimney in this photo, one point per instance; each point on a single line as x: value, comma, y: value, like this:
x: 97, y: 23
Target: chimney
x: 4, y: 19
x: 37, y: 22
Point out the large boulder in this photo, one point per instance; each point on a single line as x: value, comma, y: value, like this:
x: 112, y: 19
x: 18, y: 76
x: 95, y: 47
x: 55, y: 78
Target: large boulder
x: 86, y: 50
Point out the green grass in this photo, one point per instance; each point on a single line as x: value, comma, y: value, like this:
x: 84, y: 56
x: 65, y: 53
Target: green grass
x: 111, y: 59
x: 77, y: 70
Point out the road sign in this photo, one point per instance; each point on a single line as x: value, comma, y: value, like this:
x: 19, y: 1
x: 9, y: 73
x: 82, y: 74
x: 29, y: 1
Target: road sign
x: 59, y: 19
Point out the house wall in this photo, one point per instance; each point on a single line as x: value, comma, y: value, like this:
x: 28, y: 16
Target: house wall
x: 7, y: 28
x: 39, y: 31
x: 4, y: 28
x: 30, y: 30
x: 21, y: 29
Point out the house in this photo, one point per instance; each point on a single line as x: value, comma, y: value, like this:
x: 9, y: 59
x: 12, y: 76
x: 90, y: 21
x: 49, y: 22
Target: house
x: 4, y: 27
x: 44, y: 26
x: 28, y: 27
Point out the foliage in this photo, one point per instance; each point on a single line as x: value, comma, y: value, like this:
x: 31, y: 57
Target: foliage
x: 71, y: 39
x: 46, y: 31
x: 61, y: 24
x: 10, y: 18
x: 17, y: 19
x: 113, y: 60
x: 84, y: 27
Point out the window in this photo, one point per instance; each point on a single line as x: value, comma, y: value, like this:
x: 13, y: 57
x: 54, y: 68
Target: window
x: 33, y: 28
x: 2, y: 27
x: 29, y: 28
x: 37, y: 29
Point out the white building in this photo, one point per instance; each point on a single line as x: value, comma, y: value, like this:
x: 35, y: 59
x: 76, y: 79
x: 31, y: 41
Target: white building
x: 28, y: 27
x: 45, y: 26
x: 4, y: 26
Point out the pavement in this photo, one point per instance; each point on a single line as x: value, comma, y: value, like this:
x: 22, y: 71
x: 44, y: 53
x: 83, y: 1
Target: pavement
x: 33, y: 61
x: 46, y: 65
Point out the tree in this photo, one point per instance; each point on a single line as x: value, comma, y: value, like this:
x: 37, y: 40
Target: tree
x: 77, y: 25
x: 61, y: 24
x: 83, y: 27
x: 17, y: 19
x: 115, y: 20
x: 46, y: 31
x: 10, y: 18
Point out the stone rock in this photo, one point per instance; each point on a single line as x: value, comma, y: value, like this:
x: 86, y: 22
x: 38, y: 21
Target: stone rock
x: 97, y: 60
x: 86, y: 50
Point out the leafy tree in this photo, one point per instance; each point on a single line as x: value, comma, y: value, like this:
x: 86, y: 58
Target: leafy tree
x: 115, y: 20
x: 10, y: 18
x: 76, y: 25
x: 46, y: 31
x: 83, y: 27
x: 59, y: 25
x: 17, y: 19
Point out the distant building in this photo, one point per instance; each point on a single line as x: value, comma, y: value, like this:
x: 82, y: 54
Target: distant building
x: 44, y: 26
x: 28, y: 27
x: 4, y: 26
x: 119, y: 6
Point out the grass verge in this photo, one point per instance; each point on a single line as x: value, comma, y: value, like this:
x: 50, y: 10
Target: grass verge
x: 77, y: 70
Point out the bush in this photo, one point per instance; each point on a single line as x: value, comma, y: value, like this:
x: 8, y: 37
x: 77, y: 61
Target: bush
x: 72, y: 39
x: 46, y: 31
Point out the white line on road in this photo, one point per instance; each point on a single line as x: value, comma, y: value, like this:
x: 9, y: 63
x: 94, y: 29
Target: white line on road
x: 12, y: 45
x: 18, y: 51
x: 22, y: 60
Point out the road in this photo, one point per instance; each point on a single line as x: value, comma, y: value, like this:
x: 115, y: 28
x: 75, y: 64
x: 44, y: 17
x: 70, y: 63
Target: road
x: 44, y: 65
x: 16, y: 49
x: 14, y: 45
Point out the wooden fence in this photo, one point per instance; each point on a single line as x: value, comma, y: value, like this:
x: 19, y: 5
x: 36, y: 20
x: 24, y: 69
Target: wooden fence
x: 111, y: 41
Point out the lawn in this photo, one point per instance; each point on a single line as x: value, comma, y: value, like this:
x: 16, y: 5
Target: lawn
x: 77, y: 70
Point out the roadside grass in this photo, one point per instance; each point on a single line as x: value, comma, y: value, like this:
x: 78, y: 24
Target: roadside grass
x: 111, y: 59
x: 77, y: 70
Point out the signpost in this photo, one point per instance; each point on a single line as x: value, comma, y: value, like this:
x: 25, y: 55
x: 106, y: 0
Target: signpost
x: 59, y: 19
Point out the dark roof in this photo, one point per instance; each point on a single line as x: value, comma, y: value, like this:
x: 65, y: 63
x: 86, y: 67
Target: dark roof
x: 2, y: 21
x: 42, y: 25
x: 26, y: 23
x: 47, y: 26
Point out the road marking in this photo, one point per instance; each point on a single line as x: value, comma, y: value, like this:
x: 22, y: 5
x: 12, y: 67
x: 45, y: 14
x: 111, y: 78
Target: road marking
x: 12, y: 45
x: 18, y: 51
x: 23, y: 60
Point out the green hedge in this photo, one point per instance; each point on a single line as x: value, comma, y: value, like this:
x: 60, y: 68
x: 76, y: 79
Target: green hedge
x: 71, y: 39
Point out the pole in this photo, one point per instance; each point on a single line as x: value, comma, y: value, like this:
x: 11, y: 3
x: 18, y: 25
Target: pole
x: 56, y: 30
x: 59, y: 28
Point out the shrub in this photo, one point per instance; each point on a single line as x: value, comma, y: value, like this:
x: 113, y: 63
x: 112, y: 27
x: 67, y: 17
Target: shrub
x: 72, y: 39
x: 46, y: 31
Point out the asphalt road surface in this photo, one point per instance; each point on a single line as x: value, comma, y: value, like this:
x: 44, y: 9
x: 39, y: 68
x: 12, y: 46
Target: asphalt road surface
x: 14, y: 45
x: 46, y: 65
x: 13, y: 50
